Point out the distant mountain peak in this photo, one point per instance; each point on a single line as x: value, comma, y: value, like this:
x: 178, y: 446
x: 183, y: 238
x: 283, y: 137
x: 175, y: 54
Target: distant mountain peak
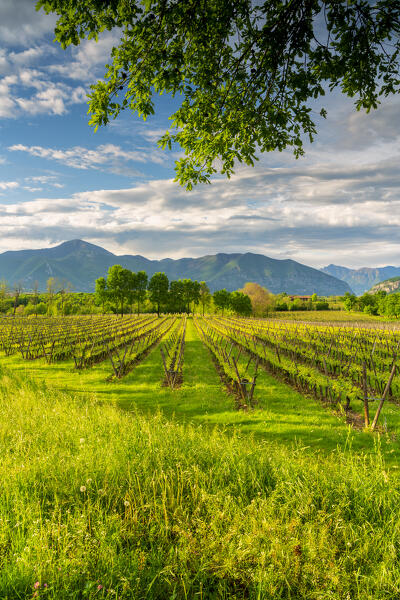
x: 361, y: 280
x: 73, y: 245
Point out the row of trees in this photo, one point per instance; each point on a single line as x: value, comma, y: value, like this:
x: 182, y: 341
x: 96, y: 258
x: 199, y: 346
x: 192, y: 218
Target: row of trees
x: 123, y: 288
x: 125, y: 291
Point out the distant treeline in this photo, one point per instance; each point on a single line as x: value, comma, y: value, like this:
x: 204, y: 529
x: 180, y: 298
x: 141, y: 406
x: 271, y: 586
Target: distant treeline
x: 284, y: 302
x: 123, y: 291
x: 120, y: 292
x: 381, y: 303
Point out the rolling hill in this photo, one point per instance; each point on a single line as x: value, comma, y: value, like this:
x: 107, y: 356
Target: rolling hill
x: 389, y: 286
x: 82, y: 263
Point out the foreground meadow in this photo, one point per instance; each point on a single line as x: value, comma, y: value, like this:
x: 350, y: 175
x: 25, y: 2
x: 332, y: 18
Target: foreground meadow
x: 101, y: 503
x: 128, y: 489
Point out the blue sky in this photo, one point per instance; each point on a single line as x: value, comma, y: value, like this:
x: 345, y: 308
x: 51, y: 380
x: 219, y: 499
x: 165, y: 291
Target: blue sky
x: 59, y: 180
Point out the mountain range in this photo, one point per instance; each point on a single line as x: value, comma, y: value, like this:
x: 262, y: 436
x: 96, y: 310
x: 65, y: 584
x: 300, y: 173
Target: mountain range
x: 82, y: 263
x: 361, y: 280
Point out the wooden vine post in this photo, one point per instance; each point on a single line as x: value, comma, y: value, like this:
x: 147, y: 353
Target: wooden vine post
x: 385, y: 393
x: 365, y: 393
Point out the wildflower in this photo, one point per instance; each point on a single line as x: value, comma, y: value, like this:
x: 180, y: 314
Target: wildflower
x: 99, y: 587
x: 82, y: 440
x: 36, y: 585
x: 45, y: 585
x: 83, y: 488
x: 89, y: 480
x: 126, y: 503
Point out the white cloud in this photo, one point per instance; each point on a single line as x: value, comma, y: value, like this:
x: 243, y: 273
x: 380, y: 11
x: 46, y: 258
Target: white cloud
x: 4, y: 65
x: 21, y: 24
x: 31, y: 82
x: 32, y: 189
x: 48, y: 98
x: 49, y: 180
x: 278, y: 212
x: 107, y: 157
x: 12, y: 62
x: 48, y: 101
x: 41, y: 178
x: 88, y: 60
x: 7, y: 103
x: 8, y: 185
x: 32, y: 55
x: 152, y: 135
x: 39, y: 90
x: 341, y: 203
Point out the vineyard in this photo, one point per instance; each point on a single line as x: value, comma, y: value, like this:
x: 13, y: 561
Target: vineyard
x: 351, y: 368
x: 88, y: 340
x: 337, y: 365
x: 206, y: 456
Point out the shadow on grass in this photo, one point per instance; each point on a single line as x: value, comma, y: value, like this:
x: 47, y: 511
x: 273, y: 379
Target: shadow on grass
x: 281, y: 414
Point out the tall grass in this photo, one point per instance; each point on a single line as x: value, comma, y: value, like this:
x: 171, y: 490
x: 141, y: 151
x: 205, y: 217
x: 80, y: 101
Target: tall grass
x: 100, y: 503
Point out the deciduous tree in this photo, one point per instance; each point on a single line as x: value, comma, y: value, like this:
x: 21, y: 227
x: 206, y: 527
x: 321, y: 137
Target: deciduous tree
x: 3, y: 294
x: 176, y: 300
x: 240, y: 303
x: 158, y: 289
x: 52, y: 286
x: 35, y: 297
x: 101, y: 292
x: 119, y: 285
x: 349, y: 301
x: 221, y: 299
x: 17, y: 292
x: 248, y: 72
x: 64, y: 290
x: 140, y: 288
x: 205, y: 296
x: 191, y: 293
x: 262, y: 301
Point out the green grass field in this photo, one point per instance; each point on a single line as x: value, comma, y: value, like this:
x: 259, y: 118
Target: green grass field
x: 281, y: 413
x: 130, y: 490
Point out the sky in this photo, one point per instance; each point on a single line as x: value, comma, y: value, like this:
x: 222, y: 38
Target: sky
x: 61, y: 181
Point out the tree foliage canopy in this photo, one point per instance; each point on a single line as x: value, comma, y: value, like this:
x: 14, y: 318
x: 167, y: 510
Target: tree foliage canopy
x: 262, y: 300
x: 221, y: 299
x: 158, y: 289
x: 240, y: 303
x: 119, y: 285
x: 247, y: 71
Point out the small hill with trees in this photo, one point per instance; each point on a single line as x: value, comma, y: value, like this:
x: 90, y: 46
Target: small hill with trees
x: 389, y: 286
